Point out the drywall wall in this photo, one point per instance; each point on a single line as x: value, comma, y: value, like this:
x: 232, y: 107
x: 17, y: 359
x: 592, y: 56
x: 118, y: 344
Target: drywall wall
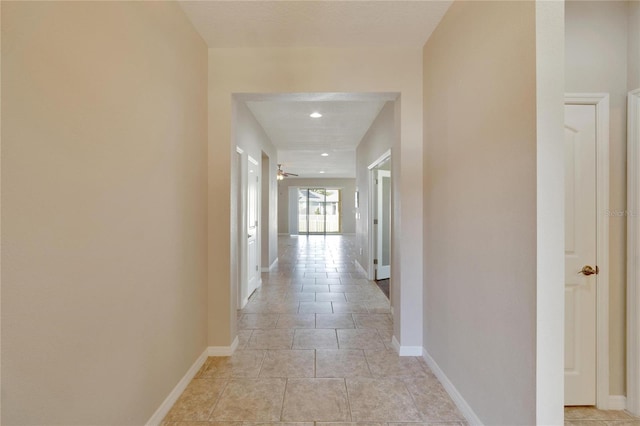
x: 347, y: 215
x: 378, y: 140
x: 104, y: 187
x: 633, y: 45
x: 319, y: 70
x: 596, y: 61
x: 250, y: 137
x: 480, y: 206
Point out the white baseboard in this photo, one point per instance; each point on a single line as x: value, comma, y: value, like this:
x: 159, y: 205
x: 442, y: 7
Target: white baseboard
x: 617, y: 402
x: 270, y: 267
x: 457, y: 398
x: 364, y: 271
x: 175, y: 393
x: 223, y: 350
x: 405, y: 350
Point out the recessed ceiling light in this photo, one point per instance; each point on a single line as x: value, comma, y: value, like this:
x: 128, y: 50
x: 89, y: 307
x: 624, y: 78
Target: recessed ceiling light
x: 324, y: 154
x: 315, y: 115
x: 322, y: 171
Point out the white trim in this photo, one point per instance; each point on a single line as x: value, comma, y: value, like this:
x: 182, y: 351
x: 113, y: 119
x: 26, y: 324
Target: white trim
x: 371, y: 273
x: 223, y: 350
x: 359, y: 266
x: 633, y: 252
x: 243, y: 302
x: 270, y: 267
x: 466, y: 410
x: 405, y: 350
x: 163, y: 409
x: 617, y: 402
x: 601, y: 103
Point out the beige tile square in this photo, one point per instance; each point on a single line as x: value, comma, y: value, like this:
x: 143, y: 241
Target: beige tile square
x: 354, y: 424
x: 301, y: 297
x: 592, y: 413
x: 387, y: 363
x: 315, y: 339
x: 288, y: 363
x: 271, y: 339
x: 334, y: 321
x: 251, y: 321
x: 251, y: 400
x: 243, y: 363
x: 197, y: 400
x: 381, y: 400
x: 432, y: 400
x: 378, y: 321
x: 296, y: 321
x: 330, y: 297
x: 202, y: 424
x: 315, y: 288
x: 341, y: 363
x: 243, y: 338
x: 349, y: 307
x: 315, y: 399
x: 279, y: 424
x: 359, y: 339
x: 315, y: 308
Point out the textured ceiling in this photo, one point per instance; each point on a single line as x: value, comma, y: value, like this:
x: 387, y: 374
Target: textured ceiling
x: 315, y: 23
x: 301, y: 139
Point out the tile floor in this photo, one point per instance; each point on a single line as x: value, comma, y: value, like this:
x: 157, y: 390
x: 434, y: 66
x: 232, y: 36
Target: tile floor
x: 315, y: 347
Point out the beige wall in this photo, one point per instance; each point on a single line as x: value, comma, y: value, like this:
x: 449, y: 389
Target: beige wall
x: 312, y: 70
x: 480, y: 206
x: 596, y: 61
x: 379, y: 139
x: 633, y: 40
x: 348, y: 186
x: 103, y: 205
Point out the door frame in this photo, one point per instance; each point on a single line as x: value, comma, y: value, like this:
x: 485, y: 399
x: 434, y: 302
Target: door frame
x: 633, y: 252
x: 601, y: 103
x: 371, y: 207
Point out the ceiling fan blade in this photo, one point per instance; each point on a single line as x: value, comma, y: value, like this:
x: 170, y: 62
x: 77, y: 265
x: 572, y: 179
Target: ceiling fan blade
x: 290, y: 174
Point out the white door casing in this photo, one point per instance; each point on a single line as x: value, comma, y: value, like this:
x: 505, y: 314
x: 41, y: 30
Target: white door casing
x: 383, y: 227
x: 633, y: 252
x: 586, y: 244
x: 253, y: 179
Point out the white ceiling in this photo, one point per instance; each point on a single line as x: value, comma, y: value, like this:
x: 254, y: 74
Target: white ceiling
x: 315, y: 23
x: 301, y: 140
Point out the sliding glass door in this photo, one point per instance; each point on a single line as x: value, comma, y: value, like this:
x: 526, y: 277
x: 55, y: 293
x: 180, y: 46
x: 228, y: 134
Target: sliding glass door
x: 318, y: 211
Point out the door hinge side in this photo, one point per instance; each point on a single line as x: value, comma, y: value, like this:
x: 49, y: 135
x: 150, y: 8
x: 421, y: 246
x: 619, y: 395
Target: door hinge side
x: 375, y: 261
x: 375, y: 221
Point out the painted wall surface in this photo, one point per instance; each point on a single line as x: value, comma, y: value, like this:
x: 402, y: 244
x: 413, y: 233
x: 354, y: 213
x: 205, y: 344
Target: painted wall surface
x: 315, y: 70
x: 251, y: 138
x: 633, y: 46
x: 348, y: 186
x: 480, y: 206
x: 596, y: 61
x: 104, y: 187
x: 378, y: 140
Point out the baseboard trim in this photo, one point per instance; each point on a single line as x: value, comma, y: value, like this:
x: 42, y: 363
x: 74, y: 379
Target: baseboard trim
x: 270, y: 267
x: 175, y: 393
x: 617, y: 402
x: 456, y: 396
x: 223, y: 350
x: 405, y: 350
x: 364, y: 271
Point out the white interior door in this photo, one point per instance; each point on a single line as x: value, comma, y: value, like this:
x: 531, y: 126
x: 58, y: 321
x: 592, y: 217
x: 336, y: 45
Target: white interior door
x: 253, y: 273
x: 383, y: 228
x: 580, y: 255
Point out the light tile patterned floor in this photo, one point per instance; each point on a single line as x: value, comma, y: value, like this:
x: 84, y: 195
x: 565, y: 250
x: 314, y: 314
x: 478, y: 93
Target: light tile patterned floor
x: 315, y: 346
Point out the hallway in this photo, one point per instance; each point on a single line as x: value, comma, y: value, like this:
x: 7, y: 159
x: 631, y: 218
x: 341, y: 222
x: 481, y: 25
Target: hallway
x: 315, y: 346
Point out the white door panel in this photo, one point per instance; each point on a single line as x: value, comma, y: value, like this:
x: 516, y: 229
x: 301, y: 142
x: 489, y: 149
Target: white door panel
x: 253, y: 274
x: 580, y: 250
x: 383, y: 229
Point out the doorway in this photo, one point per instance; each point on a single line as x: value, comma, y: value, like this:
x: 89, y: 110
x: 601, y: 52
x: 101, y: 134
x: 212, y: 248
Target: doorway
x: 586, y: 250
x: 380, y: 213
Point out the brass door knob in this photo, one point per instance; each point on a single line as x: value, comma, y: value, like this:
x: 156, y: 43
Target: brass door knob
x: 588, y: 270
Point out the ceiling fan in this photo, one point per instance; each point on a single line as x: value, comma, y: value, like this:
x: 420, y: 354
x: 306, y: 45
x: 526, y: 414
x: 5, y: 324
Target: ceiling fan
x: 282, y: 174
